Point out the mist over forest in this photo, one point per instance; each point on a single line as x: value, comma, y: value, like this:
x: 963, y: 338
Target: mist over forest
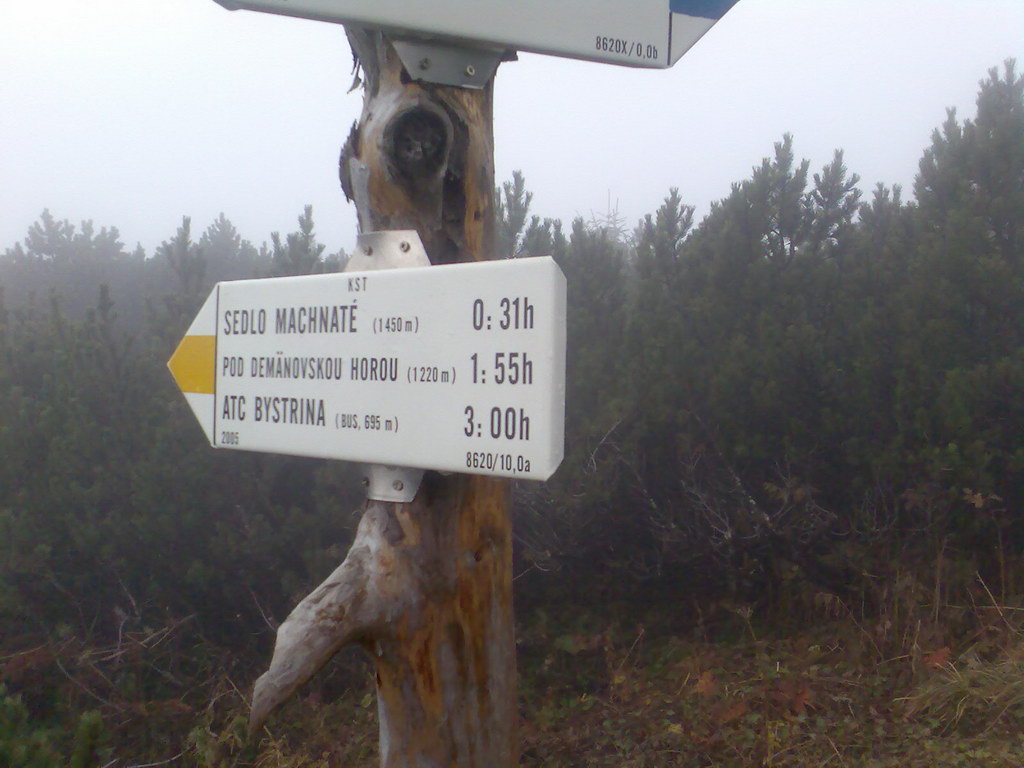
x: 789, y: 508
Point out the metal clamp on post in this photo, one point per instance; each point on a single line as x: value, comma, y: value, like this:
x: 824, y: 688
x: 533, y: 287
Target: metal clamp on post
x: 395, y: 484
x: 394, y: 249
x: 463, y: 66
x: 391, y: 249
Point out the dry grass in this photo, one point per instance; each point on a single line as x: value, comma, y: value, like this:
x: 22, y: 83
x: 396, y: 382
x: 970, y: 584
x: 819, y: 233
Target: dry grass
x: 972, y: 692
x: 915, y: 686
x: 831, y: 691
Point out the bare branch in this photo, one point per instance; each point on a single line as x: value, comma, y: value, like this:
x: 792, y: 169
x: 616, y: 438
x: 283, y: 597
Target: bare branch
x: 344, y: 607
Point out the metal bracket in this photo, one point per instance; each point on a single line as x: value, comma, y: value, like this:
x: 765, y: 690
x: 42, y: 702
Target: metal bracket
x: 463, y: 66
x: 395, y: 484
x: 393, y: 249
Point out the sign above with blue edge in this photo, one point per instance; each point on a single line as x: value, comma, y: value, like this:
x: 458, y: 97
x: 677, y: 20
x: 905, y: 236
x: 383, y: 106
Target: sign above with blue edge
x: 637, y: 33
x: 709, y: 9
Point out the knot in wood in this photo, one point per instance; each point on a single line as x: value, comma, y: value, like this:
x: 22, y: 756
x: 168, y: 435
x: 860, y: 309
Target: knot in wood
x: 418, y: 143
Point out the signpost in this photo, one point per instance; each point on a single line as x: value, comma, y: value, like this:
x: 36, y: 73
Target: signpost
x: 637, y: 33
x: 459, y: 368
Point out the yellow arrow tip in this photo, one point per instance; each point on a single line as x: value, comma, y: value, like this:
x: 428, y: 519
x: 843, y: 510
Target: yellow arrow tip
x: 193, y: 364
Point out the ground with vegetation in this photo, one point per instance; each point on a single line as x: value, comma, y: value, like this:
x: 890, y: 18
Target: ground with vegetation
x: 827, y: 691
x: 787, y: 531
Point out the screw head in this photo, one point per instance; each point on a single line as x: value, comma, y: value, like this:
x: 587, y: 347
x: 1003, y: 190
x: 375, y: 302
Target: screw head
x: 470, y: 70
x: 366, y: 481
x: 404, y: 246
x: 398, y: 485
x: 424, y: 63
x: 368, y: 250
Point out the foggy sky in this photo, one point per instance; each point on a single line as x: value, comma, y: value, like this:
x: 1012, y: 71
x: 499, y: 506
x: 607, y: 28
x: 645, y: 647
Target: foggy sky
x: 133, y: 113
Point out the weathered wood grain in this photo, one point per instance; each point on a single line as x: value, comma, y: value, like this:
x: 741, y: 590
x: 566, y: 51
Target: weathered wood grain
x: 426, y: 587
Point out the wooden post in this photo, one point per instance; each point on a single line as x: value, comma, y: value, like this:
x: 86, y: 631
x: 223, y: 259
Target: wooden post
x: 426, y: 588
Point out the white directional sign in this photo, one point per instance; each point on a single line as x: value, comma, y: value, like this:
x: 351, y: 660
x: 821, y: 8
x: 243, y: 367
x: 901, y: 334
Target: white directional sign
x: 458, y: 368
x: 639, y: 33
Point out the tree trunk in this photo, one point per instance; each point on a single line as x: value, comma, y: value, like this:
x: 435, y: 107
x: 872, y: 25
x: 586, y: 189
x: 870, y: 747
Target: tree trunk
x: 426, y: 587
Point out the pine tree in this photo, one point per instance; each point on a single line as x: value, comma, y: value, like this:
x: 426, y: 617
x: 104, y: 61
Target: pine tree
x: 775, y: 194
x: 977, y: 168
x: 228, y: 256
x: 59, y: 242
x: 512, y: 207
x: 300, y: 253
x: 833, y: 203
x: 517, y: 233
x: 656, y: 334
x: 185, y: 259
x: 965, y: 293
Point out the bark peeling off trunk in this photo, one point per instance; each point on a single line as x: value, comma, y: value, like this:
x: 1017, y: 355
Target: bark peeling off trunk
x: 426, y: 586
